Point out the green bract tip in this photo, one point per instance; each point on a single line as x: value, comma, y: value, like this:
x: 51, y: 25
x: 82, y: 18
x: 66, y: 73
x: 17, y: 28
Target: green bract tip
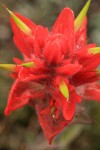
x: 80, y: 18
x: 8, y: 67
x: 95, y: 50
x: 22, y: 26
x: 64, y: 89
x: 28, y: 64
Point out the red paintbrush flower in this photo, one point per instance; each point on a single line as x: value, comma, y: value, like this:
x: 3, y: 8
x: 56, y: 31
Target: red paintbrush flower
x: 58, y: 70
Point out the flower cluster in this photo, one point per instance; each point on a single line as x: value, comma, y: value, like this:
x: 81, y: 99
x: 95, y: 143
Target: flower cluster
x: 58, y: 71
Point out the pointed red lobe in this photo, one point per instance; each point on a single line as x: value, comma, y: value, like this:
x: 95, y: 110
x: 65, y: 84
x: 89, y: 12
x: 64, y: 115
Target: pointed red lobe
x: 65, y: 25
x: 40, y: 35
x: 18, y: 96
x: 50, y: 127
x: 64, y: 22
x: 17, y: 61
x: 69, y: 106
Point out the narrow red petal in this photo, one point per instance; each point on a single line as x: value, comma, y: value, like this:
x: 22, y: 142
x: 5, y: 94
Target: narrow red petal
x: 92, y: 62
x: 25, y: 45
x: 17, y: 61
x: 69, y: 106
x: 65, y: 25
x: 84, y: 77
x: 64, y: 22
x: 41, y: 35
x: 69, y: 69
x: 26, y: 74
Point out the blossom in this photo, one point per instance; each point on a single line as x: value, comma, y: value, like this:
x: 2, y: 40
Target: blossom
x: 58, y: 70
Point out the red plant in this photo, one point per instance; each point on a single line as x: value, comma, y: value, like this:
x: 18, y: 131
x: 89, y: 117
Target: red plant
x: 58, y: 70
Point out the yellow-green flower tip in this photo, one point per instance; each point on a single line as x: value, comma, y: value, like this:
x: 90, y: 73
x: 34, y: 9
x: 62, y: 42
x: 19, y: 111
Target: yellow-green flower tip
x: 28, y: 64
x: 80, y: 18
x: 64, y: 89
x: 21, y: 25
x: 8, y: 67
x: 95, y: 50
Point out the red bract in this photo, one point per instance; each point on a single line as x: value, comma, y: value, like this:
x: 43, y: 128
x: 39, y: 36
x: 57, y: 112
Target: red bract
x: 62, y: 75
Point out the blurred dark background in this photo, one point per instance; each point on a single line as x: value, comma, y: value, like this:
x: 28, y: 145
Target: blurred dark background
x: 21, y: 130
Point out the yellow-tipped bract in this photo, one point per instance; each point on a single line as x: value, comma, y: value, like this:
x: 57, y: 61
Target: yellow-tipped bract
x: 80, y: 18
x: 95, y: 50
x: 21, y: 25
x: 8, y: 67
x: 64, y: 89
